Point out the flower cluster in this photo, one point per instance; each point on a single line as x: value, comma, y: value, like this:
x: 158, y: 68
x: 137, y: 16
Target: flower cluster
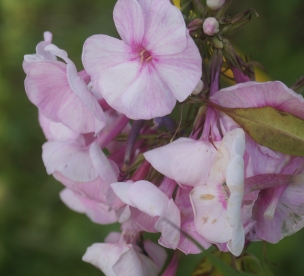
x: 214, y: 183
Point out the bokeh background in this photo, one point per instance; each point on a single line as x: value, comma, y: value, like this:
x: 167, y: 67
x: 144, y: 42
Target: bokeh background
x: 39, y: 235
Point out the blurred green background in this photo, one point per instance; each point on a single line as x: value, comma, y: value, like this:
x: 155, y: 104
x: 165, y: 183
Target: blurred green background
x: 38, y: 234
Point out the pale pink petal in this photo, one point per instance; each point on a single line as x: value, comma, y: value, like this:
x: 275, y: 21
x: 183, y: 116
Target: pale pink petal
x: 133, y: 263
x: 114, y: 81
x: 235, y: 183
x: 288, y: 217
x: 100, y: 52
x: 186, y: 245
x: 148, y: 96
x: 185, y: 66
x: 210, y: 216
x: 104, y: 256
x: 79, y: 88
x: 187, y: 224
x: 162, y: 158
x: 144, y: 221
x: 97, y: 212
x: 254, y: 94
x: 157, y: 253
x: 165, y: 29
x: 48, y: 88
x: 72, y: 201
x: 169, y: 225
x: 95, y: 190
x: 113, y: 237
x: 193, y: 164
x: 125, y: 215
x: 103, y: 165
x: 129, y: 21
x: 147, y: 198
x: 41, y: 53
x: 69, y: 158
x: 121, y: 189
x: 56, y: 131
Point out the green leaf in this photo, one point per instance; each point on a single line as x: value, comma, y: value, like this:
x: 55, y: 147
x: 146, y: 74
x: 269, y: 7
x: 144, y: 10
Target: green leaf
x: 272, y: 128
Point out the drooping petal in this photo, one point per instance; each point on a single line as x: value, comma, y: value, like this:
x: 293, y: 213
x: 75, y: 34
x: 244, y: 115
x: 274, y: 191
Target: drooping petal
x: 69, y: 158
x: 95, y: 190
x: 169, y: 225
x: 288, y: 217
x: 104, y: 256
x: 162, y: 158
x: 41, y: 53
x: 129, y: 21
x: 181, y: 71
x: 102, y: 164
x: 48, y: 88
x: 147, y: 198
x: 79, y: 88
x: 97, y: 212
x: 165, y: 29
x: 133, y: 263
x: 193, y: 164
x: 56, y: 131
x: 121, y: 189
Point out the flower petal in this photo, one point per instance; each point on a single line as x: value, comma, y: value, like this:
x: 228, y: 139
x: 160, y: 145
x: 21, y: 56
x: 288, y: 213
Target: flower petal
x: 129, y: 21
x: 165, y: 29
x: 169, y: 225
x: 162, y: 158
x: 254, y: 94
x: 181, y: 71
x: 147, y: 198
x: 210, y: 216
x: 97, y: 212
x: 133, y: 263
x: 148, y: 96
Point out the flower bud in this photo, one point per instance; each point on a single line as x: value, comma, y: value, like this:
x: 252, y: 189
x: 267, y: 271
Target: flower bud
x: 211, y: 26
x: 215, y: 4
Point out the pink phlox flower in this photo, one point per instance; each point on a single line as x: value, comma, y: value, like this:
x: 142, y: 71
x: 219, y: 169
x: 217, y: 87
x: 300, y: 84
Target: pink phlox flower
x: 217, y: 204
x: 61, y: 94
x: 279, y: 210
x: 118, y: 257
x: 155, y: 63
x: 151, y: 201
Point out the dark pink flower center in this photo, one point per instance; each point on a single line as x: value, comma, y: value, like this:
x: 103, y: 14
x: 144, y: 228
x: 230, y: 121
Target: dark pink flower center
x: 145, y: 56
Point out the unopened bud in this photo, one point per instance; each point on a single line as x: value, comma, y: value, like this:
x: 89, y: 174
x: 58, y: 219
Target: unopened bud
x: 215, y: 4
x: 195, y: 25
x: 211, y: 26
x: 198, y: 89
